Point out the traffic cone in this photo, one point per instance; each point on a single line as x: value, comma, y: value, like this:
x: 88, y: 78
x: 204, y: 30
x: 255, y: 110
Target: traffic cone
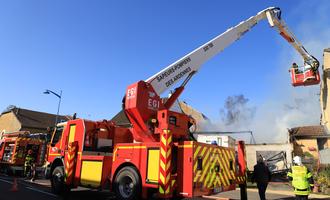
x: 14, y: 188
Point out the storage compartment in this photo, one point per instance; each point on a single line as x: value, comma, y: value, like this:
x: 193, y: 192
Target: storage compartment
x: 91, y: 173
x: 206, y: 169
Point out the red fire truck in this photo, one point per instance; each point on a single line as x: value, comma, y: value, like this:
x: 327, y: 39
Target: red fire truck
x: 154, y: 153
x: 14, y: 147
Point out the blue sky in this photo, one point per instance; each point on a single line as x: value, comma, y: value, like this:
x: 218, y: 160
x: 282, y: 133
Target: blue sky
x: 92, y: 50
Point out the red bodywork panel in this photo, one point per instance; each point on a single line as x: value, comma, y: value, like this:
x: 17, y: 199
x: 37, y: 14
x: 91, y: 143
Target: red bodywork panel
x: 141, y: 106
x: 136, y: 155
x: 306, y: 78
x: 176, y: 122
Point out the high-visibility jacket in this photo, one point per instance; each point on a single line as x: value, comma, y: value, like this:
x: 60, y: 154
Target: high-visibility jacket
x: 29, y: 160
x: 301, y: 180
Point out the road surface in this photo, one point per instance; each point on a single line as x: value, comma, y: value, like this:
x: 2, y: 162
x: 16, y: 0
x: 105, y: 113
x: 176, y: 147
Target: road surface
x: 40, y: 190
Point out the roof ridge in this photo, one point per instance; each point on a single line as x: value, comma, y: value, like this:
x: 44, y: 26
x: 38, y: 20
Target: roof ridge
x: 37, y: 111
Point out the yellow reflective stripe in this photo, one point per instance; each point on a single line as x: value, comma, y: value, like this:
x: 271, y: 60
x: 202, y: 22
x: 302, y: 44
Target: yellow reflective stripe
x: 168, y: 153
x: 195, y: 155
x: 225, y: 172
x: 222, y: 179
x: 161, y: 190
x: 162, y: 152
x: 168, y: 178
x: 167, y: 131
x: 229, y: 173
x: 173, y: 182
x: 212, y: 166
x: 168, y: 190
x: 169, y: 139
x: 161, y: 177
x: 163, y: 140
x: 196, y: 152
x: 207, y: 165
x: 54, y: 154
x: 225, y: 176
x: 213, y: 176
x: 162, y: 165
x: 185, y: 146
x: 168, y: 165
x: 195, y: 166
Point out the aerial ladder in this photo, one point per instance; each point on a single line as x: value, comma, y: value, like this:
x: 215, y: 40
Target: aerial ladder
x: 155, y: 155
x: 187, y: 66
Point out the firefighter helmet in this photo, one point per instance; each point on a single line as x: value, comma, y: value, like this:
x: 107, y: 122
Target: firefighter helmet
x: 297, y: 160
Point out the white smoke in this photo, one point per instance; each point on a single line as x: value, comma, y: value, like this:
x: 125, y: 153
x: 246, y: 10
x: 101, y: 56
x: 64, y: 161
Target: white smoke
x: 289, y: 107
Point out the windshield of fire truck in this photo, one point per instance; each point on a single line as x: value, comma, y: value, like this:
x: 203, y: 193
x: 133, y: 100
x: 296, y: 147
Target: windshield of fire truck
x: 57, y: 135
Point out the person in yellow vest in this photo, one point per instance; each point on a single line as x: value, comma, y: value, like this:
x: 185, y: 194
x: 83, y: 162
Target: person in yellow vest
x: 29, y: 161
x: 301, y: 179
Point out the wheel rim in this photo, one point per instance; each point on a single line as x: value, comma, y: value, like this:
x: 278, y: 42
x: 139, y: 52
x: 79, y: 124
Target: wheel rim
x: 126, y: 187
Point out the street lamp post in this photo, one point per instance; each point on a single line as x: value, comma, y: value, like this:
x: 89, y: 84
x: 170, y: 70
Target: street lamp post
x: 59, y: 102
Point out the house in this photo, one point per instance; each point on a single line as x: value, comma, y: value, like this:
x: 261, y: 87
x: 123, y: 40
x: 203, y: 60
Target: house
x: 324, y: 93
x: 15, y: 119
x: 309, y: 140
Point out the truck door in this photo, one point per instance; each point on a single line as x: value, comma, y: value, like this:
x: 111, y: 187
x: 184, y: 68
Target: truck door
x: 56, y: 144
x: 71, y: 135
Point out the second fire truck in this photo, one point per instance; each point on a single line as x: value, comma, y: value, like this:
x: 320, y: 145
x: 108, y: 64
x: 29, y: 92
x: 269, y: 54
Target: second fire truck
x: 14, y: 148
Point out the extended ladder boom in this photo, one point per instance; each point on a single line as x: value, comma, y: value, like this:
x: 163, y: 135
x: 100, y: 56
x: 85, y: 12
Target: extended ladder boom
x: 284, y: 31
x: 191, y: 63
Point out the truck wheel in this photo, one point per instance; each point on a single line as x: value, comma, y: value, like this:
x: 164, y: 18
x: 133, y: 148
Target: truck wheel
x: 57, y: 180
x: 127, y: 184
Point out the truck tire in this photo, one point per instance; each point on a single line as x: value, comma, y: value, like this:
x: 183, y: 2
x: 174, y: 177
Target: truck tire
x: 57, y: 181
x: 127, y: 184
